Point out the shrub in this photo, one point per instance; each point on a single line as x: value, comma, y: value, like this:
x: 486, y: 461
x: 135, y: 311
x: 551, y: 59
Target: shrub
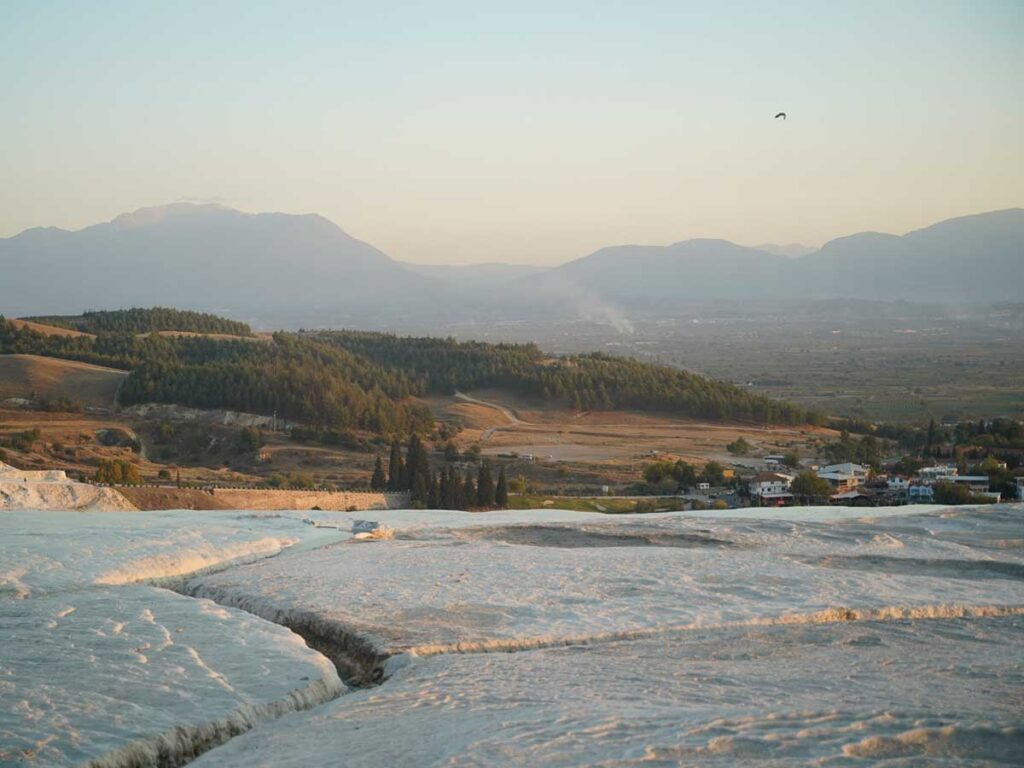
x: 953, y: 493
x: 519, y: 484
x: 250, y: 439
x: 117, y: 472
x: 23, y: 441
x: 658, y: 471
x: 61, y: 404
x: 300, y: 481
x: 738, y: 447
x: 808, y: 485
x: 713, y: 473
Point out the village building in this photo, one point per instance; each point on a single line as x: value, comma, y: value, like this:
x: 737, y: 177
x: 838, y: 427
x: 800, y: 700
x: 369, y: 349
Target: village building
x: 847, y: 468
x: 936, y: 474
x: 898, y: 484
x: 771, y: 487
x: 976, y: 483
x: 854, y: 498
x: 840, y: 480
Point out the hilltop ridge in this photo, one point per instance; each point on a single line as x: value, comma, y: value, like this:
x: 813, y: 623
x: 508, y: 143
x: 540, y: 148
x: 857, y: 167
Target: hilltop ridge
x: 286, y: 270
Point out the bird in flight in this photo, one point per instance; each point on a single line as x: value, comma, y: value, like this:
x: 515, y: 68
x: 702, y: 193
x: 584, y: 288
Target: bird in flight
x: 782, y: 115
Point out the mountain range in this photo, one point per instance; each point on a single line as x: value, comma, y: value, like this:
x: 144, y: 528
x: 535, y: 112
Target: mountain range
x: 291, y: 270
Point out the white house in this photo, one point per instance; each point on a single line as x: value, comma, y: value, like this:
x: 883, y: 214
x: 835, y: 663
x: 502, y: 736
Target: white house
x: 935, y: 474
x: 899, y: 484
x: 848, y: 468
x: 771, y: 486
x: 841, y: 481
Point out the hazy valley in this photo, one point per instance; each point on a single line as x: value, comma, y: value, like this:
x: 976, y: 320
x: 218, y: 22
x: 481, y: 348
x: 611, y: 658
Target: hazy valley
x: 927, y: 324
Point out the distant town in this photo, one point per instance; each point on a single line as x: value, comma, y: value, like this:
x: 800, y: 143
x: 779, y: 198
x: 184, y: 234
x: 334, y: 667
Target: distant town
x: 854, y: 484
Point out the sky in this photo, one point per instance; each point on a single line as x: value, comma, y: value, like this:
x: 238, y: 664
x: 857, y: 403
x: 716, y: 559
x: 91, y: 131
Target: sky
x: 457, y: 132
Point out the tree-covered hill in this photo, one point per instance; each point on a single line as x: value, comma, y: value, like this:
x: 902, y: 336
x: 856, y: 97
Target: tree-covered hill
x: 300, y: 379
x: 355, y: 380
x: 588, y: 382
x: 137, y: 320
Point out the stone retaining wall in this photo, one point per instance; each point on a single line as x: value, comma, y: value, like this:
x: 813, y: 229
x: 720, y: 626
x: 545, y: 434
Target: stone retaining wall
x: 231, y: 498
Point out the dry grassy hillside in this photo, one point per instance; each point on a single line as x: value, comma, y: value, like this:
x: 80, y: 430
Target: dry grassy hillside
x: 49, y: 330
x: 605, y: 445
x: 46, y: 377
x: 53, y: 330
x: 78, y: 442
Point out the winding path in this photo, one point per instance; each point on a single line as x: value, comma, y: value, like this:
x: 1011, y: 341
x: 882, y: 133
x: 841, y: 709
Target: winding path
x: 513, y: 420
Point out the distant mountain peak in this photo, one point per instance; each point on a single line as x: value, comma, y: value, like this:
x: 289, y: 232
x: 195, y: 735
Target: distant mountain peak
x: 205, y: 256
x: 867, y: 238
x: 304, y: 268
x: 699, y: 242
x: 156, y: 214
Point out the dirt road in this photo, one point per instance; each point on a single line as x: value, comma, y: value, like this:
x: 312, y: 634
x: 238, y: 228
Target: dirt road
x: 513, y: 420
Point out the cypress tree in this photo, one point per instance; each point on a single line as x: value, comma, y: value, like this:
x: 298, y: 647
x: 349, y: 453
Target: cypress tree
x: 417, y: 465
x: 432, y: 495
x: 379, y: 481
x: 501, y: 491
x: 395, y: 467
x: 419, y: 491
x: 485, y: 485
x: 931, y: 438
x: 454, y: 491
x: 468, y: 491
x: 443, y: 493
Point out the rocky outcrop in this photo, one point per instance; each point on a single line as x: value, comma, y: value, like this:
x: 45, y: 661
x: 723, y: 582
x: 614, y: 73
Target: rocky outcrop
x: 51, y: 490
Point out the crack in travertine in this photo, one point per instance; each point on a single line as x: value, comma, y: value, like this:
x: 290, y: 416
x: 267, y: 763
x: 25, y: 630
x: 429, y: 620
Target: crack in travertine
x: 185, y: 743
x: 358, y: 662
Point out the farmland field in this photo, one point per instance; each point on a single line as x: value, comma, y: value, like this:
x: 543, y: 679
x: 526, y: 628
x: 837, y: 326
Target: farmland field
x: 885, y: 361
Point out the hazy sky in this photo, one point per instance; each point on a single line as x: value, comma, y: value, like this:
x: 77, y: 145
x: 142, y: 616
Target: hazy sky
x: 533, y: 132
